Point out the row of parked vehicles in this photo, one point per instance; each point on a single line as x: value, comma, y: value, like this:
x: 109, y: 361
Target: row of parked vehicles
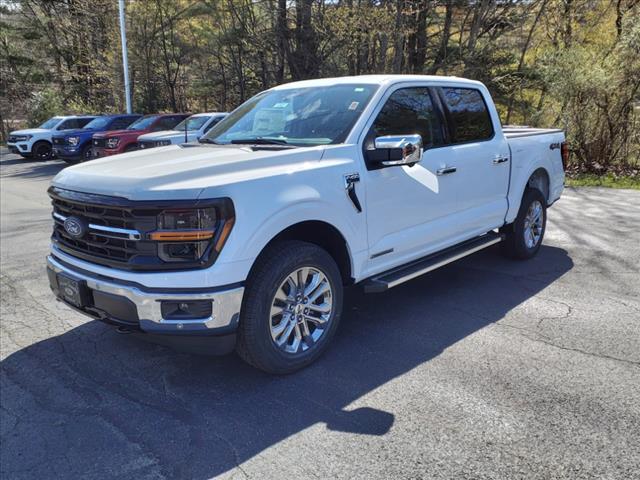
x: 78, y: 138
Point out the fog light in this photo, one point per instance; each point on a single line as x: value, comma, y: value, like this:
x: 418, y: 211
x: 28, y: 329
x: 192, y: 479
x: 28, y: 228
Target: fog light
x: 185, y: 310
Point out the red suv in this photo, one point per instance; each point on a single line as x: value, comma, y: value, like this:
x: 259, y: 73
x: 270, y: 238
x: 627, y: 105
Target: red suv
x: 120, y: 141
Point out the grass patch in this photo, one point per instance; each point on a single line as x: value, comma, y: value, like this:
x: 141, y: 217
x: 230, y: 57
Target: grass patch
x: 611, y: 181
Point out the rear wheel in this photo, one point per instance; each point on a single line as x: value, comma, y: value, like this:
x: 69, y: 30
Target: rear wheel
x: 524, y: 236
x: 42, y: 151
x: 291, y: 308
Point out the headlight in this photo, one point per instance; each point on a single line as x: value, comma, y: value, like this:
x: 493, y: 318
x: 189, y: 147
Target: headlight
x: 73, y: 141
x: 22, y: 138
x: 113, y: 142
x: 194, y: 234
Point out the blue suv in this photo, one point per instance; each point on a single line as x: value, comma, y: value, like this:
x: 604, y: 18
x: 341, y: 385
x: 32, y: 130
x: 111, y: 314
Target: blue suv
x: 75, y: 145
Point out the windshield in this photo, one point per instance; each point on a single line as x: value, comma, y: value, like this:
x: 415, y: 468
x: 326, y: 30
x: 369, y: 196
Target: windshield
x: 142, y: 123
x: 51, y: 123
x: 297, y: 116
x: 97, y: 123
x: 192, y: 123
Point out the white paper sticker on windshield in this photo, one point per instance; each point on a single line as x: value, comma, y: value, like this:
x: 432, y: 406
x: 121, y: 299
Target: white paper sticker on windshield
x: 281, y: 105
x: 358, y: 89
x: 354, y: 105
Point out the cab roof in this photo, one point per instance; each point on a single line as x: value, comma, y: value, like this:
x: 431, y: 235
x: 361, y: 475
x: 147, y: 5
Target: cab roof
x: 375, y: 80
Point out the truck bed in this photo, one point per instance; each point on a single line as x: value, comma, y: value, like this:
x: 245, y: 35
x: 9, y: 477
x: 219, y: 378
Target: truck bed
x: 515, y: 131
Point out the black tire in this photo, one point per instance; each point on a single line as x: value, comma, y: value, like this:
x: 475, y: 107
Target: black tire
x: 130, y: 148
x: 42, y: 151
x: 514, y: 244
x: 86, y: 154
x: 255, y: 344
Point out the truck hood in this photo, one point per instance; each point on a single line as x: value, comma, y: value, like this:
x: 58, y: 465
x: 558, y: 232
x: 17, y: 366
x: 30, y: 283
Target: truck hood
x: 74, y: 131
x: 119, y: 133
x: 30, y: 131
x: 177, y: 172
x: 166, y: 135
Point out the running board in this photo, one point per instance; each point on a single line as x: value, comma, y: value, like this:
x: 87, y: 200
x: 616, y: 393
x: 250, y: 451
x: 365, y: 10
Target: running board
x: 392, y: 278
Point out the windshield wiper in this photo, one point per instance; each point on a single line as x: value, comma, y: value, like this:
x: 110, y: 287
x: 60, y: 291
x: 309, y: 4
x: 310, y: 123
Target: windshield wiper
x: 208, y: 140
x: 259, y: 141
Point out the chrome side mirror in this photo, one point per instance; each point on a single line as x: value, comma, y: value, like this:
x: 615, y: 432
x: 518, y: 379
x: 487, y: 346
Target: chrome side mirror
x: 392, y: 150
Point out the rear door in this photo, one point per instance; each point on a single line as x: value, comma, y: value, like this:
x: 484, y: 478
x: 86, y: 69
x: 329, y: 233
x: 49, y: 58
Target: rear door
x: 480, y: 155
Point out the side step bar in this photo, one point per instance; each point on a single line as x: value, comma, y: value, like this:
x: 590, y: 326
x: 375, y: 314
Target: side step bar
x: 392, y: 278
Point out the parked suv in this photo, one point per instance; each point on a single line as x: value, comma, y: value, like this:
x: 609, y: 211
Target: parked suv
x: 249, y: 237
x: 189, y: 130
x: 126, y: 140
x: 76, y: 145
x: 37, y: 142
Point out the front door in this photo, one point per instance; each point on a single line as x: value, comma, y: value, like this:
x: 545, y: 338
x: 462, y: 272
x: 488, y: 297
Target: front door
x: 408, y: 208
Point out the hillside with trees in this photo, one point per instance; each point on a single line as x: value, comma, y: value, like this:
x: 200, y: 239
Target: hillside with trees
x: 568, y: 63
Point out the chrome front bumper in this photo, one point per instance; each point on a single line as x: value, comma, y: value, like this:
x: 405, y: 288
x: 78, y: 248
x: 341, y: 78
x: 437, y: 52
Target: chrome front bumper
x: 223, y: 319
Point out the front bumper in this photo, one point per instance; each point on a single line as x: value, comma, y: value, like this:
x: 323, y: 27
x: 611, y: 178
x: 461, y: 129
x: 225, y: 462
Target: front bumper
x: 20, y: 148
x: 67, y: 152
x: 137, y: 308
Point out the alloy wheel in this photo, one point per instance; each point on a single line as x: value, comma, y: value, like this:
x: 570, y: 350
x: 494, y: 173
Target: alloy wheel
x: 301, y: 310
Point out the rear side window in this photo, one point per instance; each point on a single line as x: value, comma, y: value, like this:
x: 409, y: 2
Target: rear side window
x: 469, y: 119
x: 167, y: 123
x: 83, y: 121
x: 409, y: 111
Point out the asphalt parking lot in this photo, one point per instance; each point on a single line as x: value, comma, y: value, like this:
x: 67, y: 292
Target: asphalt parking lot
x: 484, y: 369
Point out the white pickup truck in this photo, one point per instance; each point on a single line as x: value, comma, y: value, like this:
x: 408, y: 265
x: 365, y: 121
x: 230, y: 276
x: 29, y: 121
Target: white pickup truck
x: 249, y: 237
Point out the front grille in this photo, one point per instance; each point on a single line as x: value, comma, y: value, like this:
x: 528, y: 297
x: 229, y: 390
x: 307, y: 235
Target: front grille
x: 58, y: 140
x: 99, y: 142
x: 114, y: 245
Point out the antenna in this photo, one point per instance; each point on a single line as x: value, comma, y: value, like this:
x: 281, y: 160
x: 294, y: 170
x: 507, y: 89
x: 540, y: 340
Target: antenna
x: 186, y: 122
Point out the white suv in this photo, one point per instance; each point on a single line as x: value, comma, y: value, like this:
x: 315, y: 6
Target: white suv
x: 189, y: 130
x: 36, y: 142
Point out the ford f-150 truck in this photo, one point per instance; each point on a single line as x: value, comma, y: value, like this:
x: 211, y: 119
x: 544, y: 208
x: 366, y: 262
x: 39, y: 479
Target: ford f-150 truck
x: 249, y: 237
x: 76, y: 145
x: 126, y: 140
x: 189, y: 130
x: 37, y: 142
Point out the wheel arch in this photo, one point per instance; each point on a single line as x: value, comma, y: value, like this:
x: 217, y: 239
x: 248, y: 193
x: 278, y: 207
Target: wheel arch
x: 322, y: 234
x: 539, y: 179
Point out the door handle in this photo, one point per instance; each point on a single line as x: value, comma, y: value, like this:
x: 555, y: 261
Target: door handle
x: 446, y: 170
x: 499, y: 160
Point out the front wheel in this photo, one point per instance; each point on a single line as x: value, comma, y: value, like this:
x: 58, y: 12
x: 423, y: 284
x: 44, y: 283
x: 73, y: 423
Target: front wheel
x: 42, y: 151
x: 524, y: 236
x: 291, y: 308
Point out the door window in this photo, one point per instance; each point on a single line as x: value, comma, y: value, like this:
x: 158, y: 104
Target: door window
x: 409, y: 111
x: 469, y: 119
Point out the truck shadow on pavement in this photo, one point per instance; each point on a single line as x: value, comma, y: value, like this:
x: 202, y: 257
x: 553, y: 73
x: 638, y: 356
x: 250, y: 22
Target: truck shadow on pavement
x: 91, y: 403
x: 29, y: 168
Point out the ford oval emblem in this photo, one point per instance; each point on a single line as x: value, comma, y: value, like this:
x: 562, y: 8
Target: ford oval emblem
x: 75, y: 227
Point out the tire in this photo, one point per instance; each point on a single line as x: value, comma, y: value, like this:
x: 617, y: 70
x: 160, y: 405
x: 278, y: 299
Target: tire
x: 130, y: 148
x: 86, y: 154
x: 42, y: 151
x: 522, y: 242
x: 269, y: 279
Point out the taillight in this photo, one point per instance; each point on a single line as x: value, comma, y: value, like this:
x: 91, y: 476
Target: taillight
x: 564, y: 153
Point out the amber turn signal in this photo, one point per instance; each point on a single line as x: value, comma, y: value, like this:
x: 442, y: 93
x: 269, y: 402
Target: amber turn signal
x: 181, y: 235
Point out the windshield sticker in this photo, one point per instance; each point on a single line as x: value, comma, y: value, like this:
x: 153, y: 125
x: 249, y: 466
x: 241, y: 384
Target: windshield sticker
x: 281, y: 105
x: 354, y: 105
x: 359, y: 89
